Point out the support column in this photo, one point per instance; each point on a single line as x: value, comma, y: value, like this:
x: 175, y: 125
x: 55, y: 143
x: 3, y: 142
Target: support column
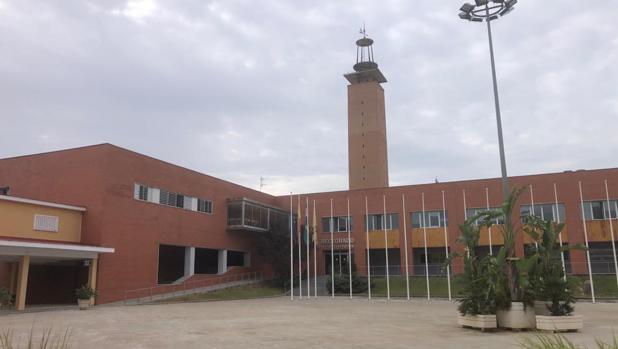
x: 22, y: 283
x: 92, y: 276
x: 222, y: 262
x: 189, y: 261
x: 13, y: 268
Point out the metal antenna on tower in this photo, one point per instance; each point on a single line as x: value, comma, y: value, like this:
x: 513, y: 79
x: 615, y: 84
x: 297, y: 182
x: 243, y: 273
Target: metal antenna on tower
x: 262, y: 182
x: 363, y: 31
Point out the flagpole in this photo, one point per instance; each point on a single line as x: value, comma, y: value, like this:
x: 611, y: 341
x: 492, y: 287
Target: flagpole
x: 349, y: 249
x: 291, y: 248
x: 425, y: 246
x: 465, y: 213
x: 448, y: 267
x: 491, y: 249
x: 315, y: 259
x: 581, y: 201
x: 300, y: 262
x: 332, y: 252
x: 308, y: 263
x: 536, y: 243
x: 368, y: 260
x: 559, y: 235
x: 388, y: 280
x: 405, y: 243
x: 611, y: 229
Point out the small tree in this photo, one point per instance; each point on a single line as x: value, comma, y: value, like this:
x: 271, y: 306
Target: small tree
x: 551, y: 283
x: 511, y: 273
x: 478, y: 294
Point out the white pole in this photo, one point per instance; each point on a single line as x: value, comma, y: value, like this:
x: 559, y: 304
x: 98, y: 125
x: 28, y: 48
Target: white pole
x: 491, y: 249
x: 332, y: 252
x: 448, y: 268
x: 349, y: 249
x: 388, y: 280
x: 464, y: 202
x: 405, y: 244
x: 465, y: 213
x: 300, y: 262
x: 611, y: 229
x: 536, y: 243
x: 581, y: 201
x: 367, y: 242
x: 425, y: 246
x: 291, y: 248
x: 315, y: 258
x: 308, y: 241
x: 559, y: 235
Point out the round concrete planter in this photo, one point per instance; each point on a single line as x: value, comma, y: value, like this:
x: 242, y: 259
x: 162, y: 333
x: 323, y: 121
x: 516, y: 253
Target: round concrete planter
x: 83, y: 304
x: 482, y: 322
x: 517, y: 318
x: 559, y: 323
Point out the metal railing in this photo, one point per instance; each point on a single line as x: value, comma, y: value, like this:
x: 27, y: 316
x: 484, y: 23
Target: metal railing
x: 149, y: 294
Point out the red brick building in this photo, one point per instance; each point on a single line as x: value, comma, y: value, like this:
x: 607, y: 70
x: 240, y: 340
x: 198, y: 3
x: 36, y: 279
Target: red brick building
x: 171, y: 225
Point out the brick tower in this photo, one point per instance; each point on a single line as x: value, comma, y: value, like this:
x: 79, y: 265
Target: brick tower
x: 367, y: 153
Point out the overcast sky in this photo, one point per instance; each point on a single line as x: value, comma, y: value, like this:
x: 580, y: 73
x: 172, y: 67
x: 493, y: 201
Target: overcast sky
x: 243, y: 89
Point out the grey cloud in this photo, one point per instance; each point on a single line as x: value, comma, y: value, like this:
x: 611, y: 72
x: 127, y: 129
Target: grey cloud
x: 243, y: 89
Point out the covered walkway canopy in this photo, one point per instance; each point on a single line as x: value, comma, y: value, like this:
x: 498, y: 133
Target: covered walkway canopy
x: 23, y: 255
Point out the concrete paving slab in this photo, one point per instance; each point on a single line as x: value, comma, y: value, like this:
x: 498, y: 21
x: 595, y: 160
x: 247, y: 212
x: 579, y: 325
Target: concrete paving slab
x: 281, y: 323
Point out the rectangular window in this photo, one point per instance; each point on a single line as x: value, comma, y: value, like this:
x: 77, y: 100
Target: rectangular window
x: 599, y: 210
x: 377, y: 221
x: 168, y: 198
x: 204, y: 206
x: 433, y: 219
x: 544, y: 211
x: 474, y: 211
x: 180, y: 200
x: 141, y: 192
x: 340, y: 223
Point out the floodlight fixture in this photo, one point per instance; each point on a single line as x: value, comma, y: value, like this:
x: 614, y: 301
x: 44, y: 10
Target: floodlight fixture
x: 488, y: 11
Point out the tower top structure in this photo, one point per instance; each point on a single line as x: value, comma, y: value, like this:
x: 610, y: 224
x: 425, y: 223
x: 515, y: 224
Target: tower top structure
x: 365, y: 69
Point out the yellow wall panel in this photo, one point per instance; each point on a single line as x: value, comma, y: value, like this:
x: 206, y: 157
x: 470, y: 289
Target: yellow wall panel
x: 17, y: 220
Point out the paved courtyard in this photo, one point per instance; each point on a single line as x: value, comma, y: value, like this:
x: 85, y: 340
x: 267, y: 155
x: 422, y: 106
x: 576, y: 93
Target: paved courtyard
x: 280, y: 323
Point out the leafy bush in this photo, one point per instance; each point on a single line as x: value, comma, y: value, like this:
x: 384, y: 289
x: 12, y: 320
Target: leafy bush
x: 85, y: 292
x: 478, y: 291
x: 6, y: 298
x: 342, y: 284
x: 548, y: 277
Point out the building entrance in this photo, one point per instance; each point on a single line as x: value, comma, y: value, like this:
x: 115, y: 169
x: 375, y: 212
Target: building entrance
x: 340, y: 259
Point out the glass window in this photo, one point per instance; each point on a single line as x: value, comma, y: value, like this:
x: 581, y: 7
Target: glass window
x: 433, y: 219
x: 340, y: 223
x: 474, y: 211
x: 544, y: 211
x: 377, y: 221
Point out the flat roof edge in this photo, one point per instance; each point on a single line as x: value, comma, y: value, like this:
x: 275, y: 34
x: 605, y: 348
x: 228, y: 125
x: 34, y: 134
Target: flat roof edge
x: 41, y: 203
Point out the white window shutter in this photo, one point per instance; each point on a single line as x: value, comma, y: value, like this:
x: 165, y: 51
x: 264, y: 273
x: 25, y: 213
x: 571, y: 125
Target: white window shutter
x: 154, y: 194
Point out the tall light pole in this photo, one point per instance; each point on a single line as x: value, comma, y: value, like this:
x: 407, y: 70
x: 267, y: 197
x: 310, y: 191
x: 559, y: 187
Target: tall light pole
x: 489, y: 10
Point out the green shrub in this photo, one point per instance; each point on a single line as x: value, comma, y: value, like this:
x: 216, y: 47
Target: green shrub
x: 85, y: 292
x: 6, y: 298
x: 342, y: 284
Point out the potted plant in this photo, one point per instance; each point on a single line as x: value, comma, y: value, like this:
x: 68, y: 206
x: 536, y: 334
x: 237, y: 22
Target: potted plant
x: 477, y: 305
x: 84, y: 295
x: 6, y: 298
x: 553, y: 287
x: 511, y: 274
